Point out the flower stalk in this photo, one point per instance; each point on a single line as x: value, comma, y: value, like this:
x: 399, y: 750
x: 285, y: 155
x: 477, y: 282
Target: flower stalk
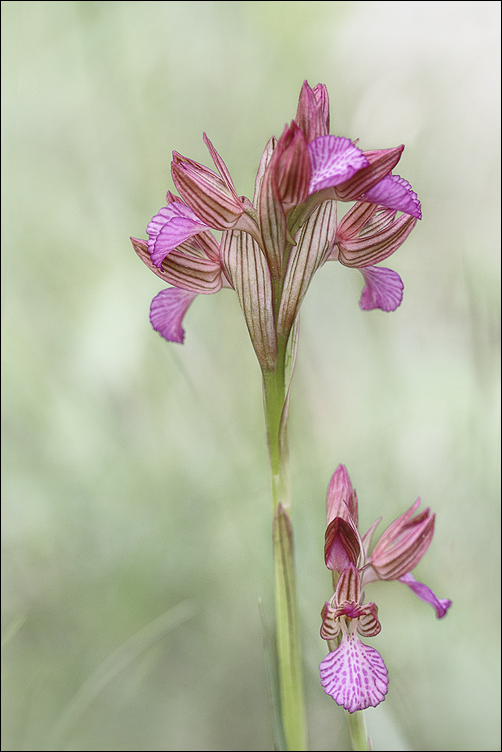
x: 288, y: 639
x: 357, y: 729
x: 276, y: 397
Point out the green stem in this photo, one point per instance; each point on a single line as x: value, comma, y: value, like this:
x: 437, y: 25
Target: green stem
x: 274, y: 394
x: 357, y: 729
x: 288, y: 642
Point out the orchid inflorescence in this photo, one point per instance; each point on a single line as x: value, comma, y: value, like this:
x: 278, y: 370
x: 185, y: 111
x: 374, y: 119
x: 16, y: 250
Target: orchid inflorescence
x: 354, y: 673
x: 270, y: 248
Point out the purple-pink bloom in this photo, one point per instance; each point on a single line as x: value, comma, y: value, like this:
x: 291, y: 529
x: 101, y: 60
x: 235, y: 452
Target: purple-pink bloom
x: 193, y: 268
x: 271, y: 247
x: 394, y: 192
x: 383, y: 289
x: 440, y: 605
x: 167, y: 310
x: 353, y: 673
x: 174, y: 224
x: 334, y: 160
x: 366, y: 235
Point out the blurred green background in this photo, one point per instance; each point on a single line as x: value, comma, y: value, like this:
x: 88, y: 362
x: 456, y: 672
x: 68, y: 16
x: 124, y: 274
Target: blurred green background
x: 136, y: 499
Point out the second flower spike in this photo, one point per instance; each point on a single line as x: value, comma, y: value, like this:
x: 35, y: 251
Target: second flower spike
x: 353, y: 673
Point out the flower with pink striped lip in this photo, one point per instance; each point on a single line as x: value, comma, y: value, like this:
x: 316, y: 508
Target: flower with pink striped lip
x: 271, y: 247
x: 354, y: 673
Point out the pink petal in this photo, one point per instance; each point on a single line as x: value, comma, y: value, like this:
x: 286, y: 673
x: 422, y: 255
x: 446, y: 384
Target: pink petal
x: 368, y: 624
x: 220, y: 166
x: 330, y: 627
x: 169, y: 228
x: 341, y: 499
x: 423, y: 592
x: 334, y: 160
x: 383, y: 289
x: 167, y: 310
x: 395, y: 192
x: 354, y: 675
x: 342, y: 545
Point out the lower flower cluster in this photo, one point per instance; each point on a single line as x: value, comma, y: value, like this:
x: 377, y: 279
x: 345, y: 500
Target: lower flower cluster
x: 353, y: 673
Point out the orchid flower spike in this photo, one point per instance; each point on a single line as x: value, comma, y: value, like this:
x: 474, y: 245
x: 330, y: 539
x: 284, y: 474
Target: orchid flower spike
x: 271, y: 247
x: 353, y: 673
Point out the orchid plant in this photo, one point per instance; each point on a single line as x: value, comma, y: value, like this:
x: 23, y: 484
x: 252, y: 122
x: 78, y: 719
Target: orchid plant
x: 269, y: 250
x: 354, y: 673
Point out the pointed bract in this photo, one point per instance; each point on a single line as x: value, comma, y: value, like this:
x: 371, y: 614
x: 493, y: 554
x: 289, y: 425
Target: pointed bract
x: 312, y: 114
x: 314, y: 242
x: 272, y: 218
x: 247, y: 271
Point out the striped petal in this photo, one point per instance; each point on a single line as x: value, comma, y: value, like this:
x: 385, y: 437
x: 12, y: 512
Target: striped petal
x: 330, y: 627
x: 334, y: 160
x: 395, y: 192
x: 354, y: 675
x: 378, y: 239
x: 188, y: 266
x: 342, y: 545
x: 189, y: 272
x: 167, y: 310
x: 169, y: 228
x: 368, y: 624
x: 383, y: 289
x: 425, y: 594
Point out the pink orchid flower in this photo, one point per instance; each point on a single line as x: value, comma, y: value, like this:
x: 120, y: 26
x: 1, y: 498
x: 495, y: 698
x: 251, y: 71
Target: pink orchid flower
x: 271, y: 247
x: 353, y: 673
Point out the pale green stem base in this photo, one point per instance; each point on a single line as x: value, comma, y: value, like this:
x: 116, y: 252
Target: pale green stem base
x: 357, y: 729
x: 288, y: 643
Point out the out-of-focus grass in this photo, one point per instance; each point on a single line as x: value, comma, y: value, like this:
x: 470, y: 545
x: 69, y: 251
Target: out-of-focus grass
x: 135, y: 476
